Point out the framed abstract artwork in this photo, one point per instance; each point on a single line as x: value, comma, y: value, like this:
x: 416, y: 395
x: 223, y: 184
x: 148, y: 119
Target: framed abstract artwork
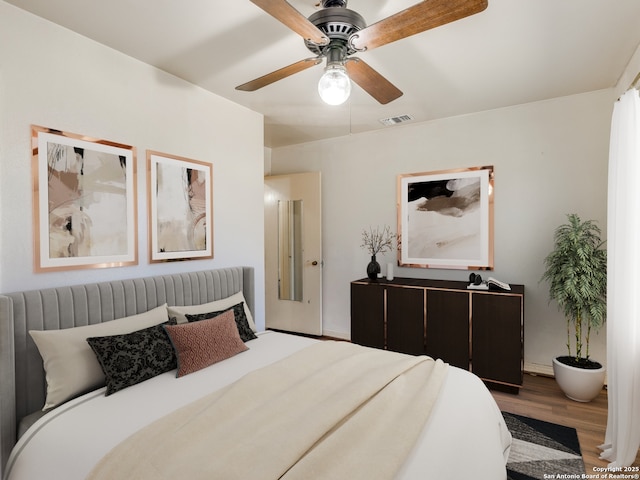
x: 84, y: 201
x: 445, y: 219
x: 180, y: 208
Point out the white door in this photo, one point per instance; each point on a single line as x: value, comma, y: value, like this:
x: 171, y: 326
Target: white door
x: 293, y: 253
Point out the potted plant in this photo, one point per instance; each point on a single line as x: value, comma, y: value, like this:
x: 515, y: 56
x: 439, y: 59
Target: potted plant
x: 576, y: 270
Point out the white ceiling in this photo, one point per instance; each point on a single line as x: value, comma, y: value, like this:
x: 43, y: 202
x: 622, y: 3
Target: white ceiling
x: 516, y: 51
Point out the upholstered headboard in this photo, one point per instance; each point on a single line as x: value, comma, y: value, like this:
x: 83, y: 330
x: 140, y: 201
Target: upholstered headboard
x: 22, y: 377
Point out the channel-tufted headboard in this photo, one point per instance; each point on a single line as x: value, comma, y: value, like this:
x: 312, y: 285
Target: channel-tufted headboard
x: 22, y: 377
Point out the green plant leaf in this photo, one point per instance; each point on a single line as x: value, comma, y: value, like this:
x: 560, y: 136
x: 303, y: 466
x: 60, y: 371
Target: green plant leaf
x: 576, y: 270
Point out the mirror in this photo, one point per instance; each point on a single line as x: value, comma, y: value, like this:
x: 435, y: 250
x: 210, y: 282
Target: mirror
x: 290, y: 250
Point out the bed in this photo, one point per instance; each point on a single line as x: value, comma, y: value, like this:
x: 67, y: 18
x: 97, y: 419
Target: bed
x: 463, y: 434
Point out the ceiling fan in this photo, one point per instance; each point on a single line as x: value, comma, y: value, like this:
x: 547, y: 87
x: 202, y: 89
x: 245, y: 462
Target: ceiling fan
x: 336, y: 33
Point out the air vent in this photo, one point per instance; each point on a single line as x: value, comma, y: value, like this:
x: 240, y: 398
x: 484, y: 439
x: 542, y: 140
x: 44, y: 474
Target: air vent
x: 395, y: 120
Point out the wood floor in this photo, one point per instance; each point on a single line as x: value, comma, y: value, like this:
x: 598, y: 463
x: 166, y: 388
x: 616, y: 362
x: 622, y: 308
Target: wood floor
x: 541, y: 398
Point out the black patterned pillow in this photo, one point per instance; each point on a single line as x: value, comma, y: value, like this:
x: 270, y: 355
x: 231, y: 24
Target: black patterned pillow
x: 134, y: 357
x: 242, y: 323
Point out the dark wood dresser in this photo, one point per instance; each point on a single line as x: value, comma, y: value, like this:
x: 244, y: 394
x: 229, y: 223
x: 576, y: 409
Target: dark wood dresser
x: 478, y: 330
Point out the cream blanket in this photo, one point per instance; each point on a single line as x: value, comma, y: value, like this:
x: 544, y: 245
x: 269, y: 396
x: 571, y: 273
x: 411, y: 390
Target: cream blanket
x: 334, y: 410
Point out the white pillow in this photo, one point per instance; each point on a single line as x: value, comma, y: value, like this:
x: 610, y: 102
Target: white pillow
x: 70, y: 365
x: 217, y: 305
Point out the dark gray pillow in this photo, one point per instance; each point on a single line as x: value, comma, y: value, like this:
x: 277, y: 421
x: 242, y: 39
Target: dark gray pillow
x: 132, y: 358
x: 242, y: 323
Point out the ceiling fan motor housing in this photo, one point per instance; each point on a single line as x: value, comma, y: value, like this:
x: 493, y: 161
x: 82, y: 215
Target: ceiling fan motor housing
x: 334, y: 3
x: 337, y: 23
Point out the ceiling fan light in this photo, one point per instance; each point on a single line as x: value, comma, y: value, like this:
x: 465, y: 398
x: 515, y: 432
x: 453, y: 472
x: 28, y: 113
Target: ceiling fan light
x: 334, y: 86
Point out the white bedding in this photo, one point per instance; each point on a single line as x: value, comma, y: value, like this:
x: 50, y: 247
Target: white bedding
x: 465, y: 436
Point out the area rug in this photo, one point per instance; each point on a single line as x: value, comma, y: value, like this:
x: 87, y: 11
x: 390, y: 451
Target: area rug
x: 542, y: 448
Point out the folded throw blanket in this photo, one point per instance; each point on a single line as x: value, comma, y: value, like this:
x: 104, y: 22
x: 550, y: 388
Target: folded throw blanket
x: 334, y: 410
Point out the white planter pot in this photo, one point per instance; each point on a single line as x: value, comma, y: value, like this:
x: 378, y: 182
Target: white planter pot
x: 579, y: 384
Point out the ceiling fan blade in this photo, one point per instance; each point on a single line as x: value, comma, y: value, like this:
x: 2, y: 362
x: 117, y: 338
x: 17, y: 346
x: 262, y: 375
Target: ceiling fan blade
x: 418, y: 18
x: 371, y: 81
x: 283, y: 11
x: 284, y: 72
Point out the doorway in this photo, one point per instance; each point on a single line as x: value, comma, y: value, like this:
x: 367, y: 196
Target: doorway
x: 293, y: 253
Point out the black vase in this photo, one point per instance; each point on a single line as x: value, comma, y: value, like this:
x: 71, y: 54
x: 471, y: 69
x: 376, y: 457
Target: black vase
x: 373, y: 269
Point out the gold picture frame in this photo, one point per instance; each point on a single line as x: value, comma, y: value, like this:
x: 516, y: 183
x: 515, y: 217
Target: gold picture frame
x: 84, y: 201
x: 445, y: 219
x: 180, y: 208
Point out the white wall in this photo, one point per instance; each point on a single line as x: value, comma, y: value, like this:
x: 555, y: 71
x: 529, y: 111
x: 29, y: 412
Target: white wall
x: 550, y: 159
x: 52, y: 77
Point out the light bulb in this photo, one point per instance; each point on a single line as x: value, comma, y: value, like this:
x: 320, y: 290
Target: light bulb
x: 334, y: 86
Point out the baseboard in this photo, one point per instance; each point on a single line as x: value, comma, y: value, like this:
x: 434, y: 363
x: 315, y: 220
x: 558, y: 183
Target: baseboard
x: 547, y: 371
x: 334, y: 334
x: 538, y: 369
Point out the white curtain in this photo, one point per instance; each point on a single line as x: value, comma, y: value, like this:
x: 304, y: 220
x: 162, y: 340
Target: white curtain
x: 623, y: 284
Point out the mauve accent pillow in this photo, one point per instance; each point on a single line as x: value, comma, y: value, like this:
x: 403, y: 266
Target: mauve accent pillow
x: 200, y: 344
x: 134, y: 357
x: 244, y: 329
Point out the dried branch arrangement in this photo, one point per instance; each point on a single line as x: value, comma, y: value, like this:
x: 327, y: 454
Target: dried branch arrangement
x: 378, y: 240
